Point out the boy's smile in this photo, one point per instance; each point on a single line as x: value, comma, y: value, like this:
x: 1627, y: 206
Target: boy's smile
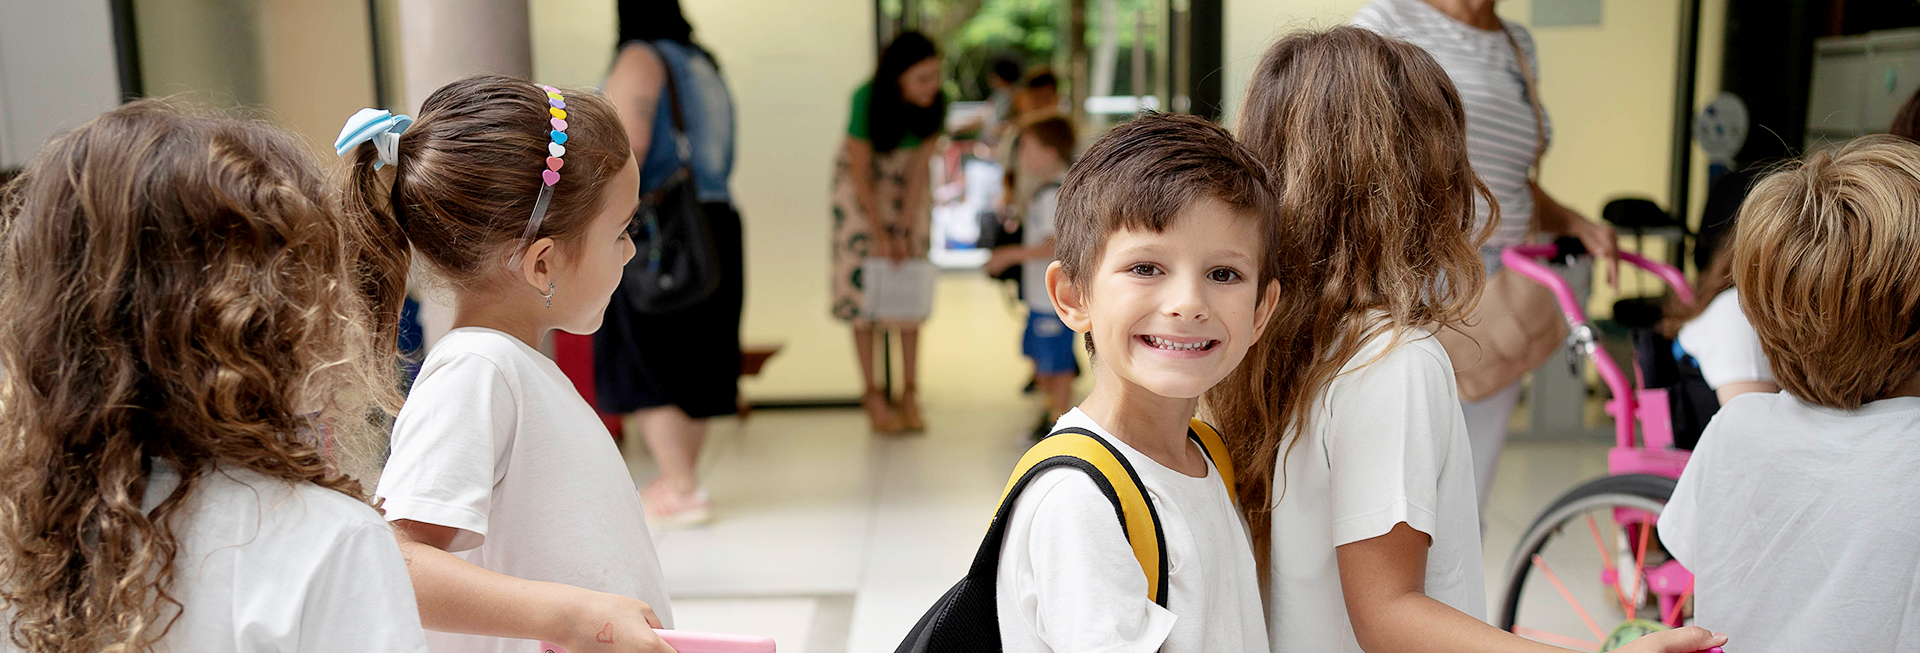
x: 1173, y: 312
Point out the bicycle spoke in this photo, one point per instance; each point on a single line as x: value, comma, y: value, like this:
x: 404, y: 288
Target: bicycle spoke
x: 1626, y: 607
x: 1556, y: 639
x: 1673, y: 614
x: 1640, y: 568
x: 1562, y: 588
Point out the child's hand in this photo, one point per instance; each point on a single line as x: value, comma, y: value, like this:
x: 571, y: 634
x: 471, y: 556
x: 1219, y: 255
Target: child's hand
x: 610, y: 623
x: 1679, y: 640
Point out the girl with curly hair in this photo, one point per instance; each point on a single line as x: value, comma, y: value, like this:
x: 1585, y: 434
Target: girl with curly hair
x: 191, y: 398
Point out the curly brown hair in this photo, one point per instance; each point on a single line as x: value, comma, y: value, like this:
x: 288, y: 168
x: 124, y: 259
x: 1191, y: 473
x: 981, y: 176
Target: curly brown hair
x: 179, y: 290
x: 1366, y: 138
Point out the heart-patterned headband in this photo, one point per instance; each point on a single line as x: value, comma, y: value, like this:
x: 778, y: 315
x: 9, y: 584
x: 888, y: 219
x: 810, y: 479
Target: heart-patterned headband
x: 556, y: 148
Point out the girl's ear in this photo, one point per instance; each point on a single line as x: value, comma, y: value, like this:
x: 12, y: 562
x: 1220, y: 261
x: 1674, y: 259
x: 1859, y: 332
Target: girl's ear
x: 1269, y: 301
x: 537, y: 264
x: 1068, y: 299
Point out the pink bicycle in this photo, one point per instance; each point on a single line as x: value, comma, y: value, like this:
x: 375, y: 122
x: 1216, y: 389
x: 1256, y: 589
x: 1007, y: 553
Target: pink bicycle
x: 1597, y: 545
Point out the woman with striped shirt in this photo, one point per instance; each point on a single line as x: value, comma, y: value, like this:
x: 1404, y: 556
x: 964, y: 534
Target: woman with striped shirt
x: 1492, y: 63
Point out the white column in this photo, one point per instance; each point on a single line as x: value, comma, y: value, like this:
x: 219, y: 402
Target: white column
x: 445, y: 40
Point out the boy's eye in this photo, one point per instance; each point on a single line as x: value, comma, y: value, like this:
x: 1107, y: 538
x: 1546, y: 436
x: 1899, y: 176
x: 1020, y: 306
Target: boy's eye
x: 1144, y: 269
x: 1224, y: 275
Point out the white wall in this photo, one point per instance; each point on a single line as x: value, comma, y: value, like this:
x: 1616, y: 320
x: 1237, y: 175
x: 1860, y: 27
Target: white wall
x: 57, y: 70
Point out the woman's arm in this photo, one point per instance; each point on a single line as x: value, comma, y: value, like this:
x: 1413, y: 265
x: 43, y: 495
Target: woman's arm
x: 918, y: 180
x: 634, y: 86
x: 1383, y: 579
x: 1552, y: 217
x: 458, y: 596
x: 859, y: 155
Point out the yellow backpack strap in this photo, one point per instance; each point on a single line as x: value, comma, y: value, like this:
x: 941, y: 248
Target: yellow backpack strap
x: 1209, y: 440
x: 1081, y: 449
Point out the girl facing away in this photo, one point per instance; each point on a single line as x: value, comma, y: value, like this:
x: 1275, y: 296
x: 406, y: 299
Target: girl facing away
x: 190, y: 374
x: 1359, y: 484
x: 513, y: 506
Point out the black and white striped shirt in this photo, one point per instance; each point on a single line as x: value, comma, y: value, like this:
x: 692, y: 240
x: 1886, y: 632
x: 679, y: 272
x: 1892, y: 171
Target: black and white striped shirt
x: 1501, y: 131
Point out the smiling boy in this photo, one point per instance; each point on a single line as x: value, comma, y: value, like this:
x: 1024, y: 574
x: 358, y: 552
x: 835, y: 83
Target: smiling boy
x: 1164, y: 265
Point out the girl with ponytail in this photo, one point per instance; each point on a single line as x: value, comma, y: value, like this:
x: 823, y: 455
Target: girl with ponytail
x: 515, y: 511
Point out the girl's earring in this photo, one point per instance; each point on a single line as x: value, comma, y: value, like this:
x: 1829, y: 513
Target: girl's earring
x: 548, y: 294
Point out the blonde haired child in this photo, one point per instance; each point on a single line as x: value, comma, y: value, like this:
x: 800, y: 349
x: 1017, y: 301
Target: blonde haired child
x: 518, y: 517
x: 1357, y: 477
x: 1798, y: 510
x: 189, y: 372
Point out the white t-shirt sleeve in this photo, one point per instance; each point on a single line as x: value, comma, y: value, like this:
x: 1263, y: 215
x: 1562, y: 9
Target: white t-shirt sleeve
x: 1040, y: 214
x: 455, y: 427
x: 1724, y: 343
x: 1075, y: 578
x: 360, y: 598
x: 1385, y: 443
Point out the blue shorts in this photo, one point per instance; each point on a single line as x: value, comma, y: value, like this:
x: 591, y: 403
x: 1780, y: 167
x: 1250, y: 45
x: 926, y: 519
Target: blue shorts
x: 1050, y: 344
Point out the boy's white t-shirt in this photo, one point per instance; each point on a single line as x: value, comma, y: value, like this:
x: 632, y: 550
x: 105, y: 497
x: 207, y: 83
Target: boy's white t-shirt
x: 1068, y: 580
x: 496, y: 442
x: 1724, y: 343
x: 1037, y: 229
x: 1801, y: 525
x: 265, y: 564
x: 1385, y: 444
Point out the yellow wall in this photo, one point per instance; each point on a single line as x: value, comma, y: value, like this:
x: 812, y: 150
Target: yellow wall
x: 1608, y: 89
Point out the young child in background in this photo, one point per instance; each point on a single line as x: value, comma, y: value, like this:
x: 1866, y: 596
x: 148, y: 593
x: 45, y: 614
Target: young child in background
x: 1355, y: 472
x: 1164, y: 265
x: 189, y: 377
x: 1042, y: 152
x: 516, y: 511
x: 1798, y: 512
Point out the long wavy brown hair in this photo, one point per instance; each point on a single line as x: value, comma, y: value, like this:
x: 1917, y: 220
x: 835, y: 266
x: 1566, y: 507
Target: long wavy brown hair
x: 178, y: 289
x: 1366, y: 138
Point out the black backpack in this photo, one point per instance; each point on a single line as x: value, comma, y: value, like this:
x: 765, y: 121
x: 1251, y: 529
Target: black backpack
x: 967, y: 618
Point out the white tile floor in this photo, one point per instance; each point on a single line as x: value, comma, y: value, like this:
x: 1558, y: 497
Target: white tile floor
x: 831, y: 539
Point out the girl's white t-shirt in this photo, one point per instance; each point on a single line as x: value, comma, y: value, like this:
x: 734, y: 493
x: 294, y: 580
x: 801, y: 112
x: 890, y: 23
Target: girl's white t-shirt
x: 1724, y: 343
x: 494, y: 441
x: 265, y: 564
x: 1800, y: 525
x: 1068, y: 580
x: 1385, y: 444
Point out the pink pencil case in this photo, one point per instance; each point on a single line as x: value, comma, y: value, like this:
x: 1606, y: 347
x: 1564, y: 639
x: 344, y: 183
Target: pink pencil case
x: 690, y: 641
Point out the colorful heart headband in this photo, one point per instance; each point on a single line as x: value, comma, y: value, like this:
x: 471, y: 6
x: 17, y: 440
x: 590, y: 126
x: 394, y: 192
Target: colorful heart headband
x: 557, y: 119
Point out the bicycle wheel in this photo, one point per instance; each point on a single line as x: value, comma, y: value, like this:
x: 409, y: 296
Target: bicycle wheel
x: 1583, y: 567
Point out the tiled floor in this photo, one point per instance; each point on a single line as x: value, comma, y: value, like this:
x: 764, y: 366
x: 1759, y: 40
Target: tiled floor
x: 831, y: 539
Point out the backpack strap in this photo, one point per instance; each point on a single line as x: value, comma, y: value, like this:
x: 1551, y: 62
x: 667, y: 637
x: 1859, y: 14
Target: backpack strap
x: 1116, y: 478
x: 1209, y: 440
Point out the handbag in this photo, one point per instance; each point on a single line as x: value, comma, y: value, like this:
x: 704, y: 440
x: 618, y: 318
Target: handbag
x: 1517, y: 323
x: 967, y: 618
x: 676, y: 264
x: 897, y: 291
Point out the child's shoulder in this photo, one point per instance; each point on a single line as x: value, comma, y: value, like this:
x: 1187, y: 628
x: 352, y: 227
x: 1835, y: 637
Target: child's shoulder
x: 1406, y: 350
x: 480, y: 348
x: 283, y: 512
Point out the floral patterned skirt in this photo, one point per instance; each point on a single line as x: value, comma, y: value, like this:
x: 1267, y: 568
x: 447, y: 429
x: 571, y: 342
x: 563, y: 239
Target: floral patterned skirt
x: 853, y: 230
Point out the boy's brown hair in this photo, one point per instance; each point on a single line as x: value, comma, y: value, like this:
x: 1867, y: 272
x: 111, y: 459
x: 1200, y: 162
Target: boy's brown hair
x: 1143, y: 173
x: 1827, y: 260
x: 1366, y: 137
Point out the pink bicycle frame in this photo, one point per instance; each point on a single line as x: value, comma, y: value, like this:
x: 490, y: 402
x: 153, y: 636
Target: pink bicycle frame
x: 1629, y: 405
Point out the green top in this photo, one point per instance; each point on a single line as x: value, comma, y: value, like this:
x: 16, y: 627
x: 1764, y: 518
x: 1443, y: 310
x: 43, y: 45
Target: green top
x: 857, y: 125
